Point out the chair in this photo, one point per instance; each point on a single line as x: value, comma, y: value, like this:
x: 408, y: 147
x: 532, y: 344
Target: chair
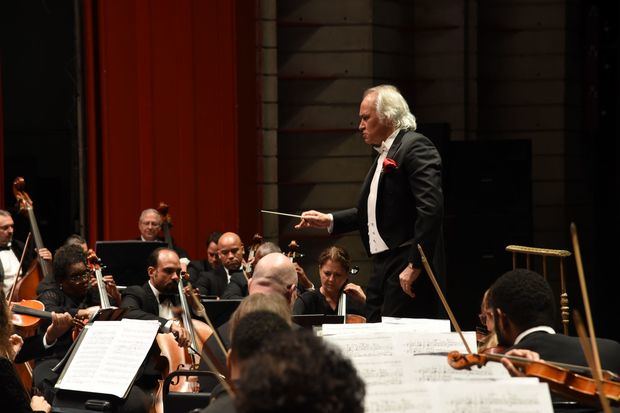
x: 544, y: 253
x: 177, y: 402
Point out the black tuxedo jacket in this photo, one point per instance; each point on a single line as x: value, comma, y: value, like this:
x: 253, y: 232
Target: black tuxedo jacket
x: 237, y: 287
x: 409, y: 201
x: 141, y: 304
x: 212, y: 282
x: 566, y: 349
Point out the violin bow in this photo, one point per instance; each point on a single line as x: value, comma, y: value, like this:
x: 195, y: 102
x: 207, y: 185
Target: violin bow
x: 586, y: 303
x: 9, y: 297
x: 587, y: 351
x: 429, y: 271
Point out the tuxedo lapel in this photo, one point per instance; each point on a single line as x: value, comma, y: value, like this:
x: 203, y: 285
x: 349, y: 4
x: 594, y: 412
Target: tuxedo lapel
x: 390, y: 155
x: 151, y: 305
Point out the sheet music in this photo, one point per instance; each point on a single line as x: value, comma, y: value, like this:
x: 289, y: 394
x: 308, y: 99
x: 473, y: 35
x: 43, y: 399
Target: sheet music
x: 401, y: 344
x: 390, y: 324
x: 109, y: 356
x: 504, y: 396
x: 397, y: 370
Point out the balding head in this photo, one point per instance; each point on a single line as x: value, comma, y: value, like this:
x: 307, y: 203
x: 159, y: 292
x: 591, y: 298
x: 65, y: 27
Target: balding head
x: 230, y: 251
x: 275, y: 273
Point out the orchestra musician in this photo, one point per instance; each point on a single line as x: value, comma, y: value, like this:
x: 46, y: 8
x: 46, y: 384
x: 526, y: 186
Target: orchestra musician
x: 238, y: 285
x: 334, y: 268
x: 230, y: 252
x: 68, y: 293
x: 196, y: 268
x: 150, y: 224
x: 400, y: 206
x: 523, y: 309
x: 11, y: 252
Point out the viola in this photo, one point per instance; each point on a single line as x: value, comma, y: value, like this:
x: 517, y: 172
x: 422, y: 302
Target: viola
x: 562, y: 378
x: 26, y: 286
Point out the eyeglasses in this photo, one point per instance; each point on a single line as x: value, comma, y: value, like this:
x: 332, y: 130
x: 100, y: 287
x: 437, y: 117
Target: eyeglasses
x: 85, y: 276
x: 151, y: 224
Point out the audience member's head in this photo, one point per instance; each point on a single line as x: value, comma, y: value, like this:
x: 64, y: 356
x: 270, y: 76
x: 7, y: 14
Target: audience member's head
x: 149, y: 224
x: 230, y: 251
x: 298, y: 372
x: 274, y: 303
x: 250, y: 333
x: 520, y: 299
x: 70, y: 270
x: 275, y: 273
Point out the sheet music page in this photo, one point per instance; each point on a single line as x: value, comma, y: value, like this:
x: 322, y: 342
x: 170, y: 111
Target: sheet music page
x: 503, y: 396
x: 421, y: 325
x: 109, y: 356
x: 401, y: 344
x: 397, y: 370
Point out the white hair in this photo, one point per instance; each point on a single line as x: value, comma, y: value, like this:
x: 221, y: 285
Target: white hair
x: 148, y: 211
x: 391, y: 105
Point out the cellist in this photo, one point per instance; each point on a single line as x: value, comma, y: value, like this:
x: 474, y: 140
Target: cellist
x: 11, y: 251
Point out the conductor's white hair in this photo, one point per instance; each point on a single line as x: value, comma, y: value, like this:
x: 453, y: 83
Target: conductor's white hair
x: 391, y: 105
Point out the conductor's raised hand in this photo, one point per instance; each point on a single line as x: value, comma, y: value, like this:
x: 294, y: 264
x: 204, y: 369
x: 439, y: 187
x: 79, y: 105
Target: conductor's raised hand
x: 314, y: 219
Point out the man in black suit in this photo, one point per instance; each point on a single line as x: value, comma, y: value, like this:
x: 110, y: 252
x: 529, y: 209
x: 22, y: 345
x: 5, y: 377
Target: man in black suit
x: 196, y: 267
x: 230, y: 251
x: 400, y: 206
x: 522, y: 306
x: 155, y: 298
x: 11, y: 252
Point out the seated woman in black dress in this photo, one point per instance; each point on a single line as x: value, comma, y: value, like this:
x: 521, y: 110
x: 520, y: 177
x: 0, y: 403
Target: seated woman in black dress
x: 334, y: 268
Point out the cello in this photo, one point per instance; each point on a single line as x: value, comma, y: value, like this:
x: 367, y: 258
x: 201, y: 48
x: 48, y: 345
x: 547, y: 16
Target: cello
x: 26, y: 286
x: 342, y: 303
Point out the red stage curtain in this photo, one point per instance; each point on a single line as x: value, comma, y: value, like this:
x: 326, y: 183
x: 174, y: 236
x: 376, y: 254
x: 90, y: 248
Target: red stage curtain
x: 171, y: 114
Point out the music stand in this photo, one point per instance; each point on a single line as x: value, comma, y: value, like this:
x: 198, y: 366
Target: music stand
x: 312, y: 320
x: 126, y: 260
x: 219, y: 311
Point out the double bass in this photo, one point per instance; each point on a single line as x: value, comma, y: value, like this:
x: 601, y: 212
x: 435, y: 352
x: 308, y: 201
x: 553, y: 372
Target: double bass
x: 26, y: 285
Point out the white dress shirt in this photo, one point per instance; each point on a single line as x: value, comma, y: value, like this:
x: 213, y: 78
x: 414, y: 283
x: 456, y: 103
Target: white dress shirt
x: 546, y: 329
x: 377, y: 244
x: 10, y: 264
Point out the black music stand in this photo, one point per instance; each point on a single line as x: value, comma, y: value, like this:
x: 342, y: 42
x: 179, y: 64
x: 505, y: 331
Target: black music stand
x: 219, y: 311
x: 312, y: 320
x: 126, y: 260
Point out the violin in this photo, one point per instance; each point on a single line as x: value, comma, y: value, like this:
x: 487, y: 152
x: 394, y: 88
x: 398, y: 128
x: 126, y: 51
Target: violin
x: 26, y: 286
x: 561, y: 378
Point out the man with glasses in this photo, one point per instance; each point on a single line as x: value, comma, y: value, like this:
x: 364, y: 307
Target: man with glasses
x: 149, y: 225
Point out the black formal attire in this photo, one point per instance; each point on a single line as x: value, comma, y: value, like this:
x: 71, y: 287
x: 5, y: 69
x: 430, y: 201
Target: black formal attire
x: 313, y: 302
x: 195, y: 267
x: 214, y: 282
x: 566, y: 349
x: 237, y: 287
x: 220, y: 402
x: 409, y: 211
x: 141, y: 303
x: 33, y: 348
x: 12, y: 393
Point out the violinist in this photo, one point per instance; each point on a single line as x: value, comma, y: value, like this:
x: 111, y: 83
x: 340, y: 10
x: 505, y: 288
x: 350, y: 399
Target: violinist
x: 11, y: 252
x: 13, y: 395
x: 522, y: 305
x: 230, y: 252
x: 68, y: 293
x: 334, y: 268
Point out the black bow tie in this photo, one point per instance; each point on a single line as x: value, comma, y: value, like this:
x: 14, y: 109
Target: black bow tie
x: 164, y: 297
x: 6, y: 247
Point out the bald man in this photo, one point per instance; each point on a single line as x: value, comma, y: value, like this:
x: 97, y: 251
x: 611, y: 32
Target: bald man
x: 230, y: 252
x: 274, y: 274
